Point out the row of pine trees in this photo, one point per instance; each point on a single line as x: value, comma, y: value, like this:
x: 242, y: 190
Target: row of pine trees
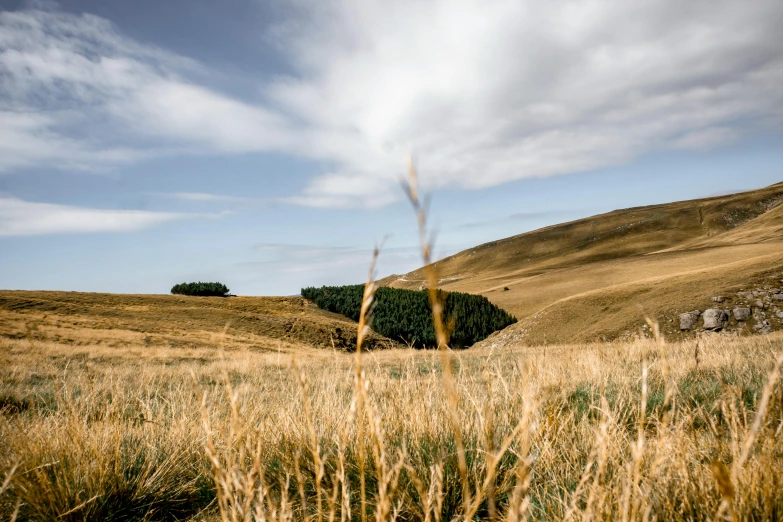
x: 406, y: 316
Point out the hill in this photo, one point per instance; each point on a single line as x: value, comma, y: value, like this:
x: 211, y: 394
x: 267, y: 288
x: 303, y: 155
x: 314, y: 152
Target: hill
x: 596, y: 278
x: 168, y: 321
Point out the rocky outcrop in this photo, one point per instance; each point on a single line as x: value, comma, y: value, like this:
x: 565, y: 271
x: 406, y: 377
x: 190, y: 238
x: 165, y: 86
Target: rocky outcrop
x: 688, y: 320
x: 761, y: 322
x: 758, y: 309
x: 715, y: 319
x: 741, y: 313
x: 764, y: 328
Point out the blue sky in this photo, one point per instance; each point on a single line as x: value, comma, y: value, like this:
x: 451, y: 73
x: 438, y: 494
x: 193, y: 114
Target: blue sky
x: 260, y: 143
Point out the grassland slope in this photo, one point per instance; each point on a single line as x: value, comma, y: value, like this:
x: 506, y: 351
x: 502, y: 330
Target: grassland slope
x: 166, y: 321
x: 596, y: 278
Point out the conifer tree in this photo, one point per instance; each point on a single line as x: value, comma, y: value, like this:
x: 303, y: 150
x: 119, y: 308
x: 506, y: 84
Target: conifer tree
x: 201, y: 289
x: 405, y: 315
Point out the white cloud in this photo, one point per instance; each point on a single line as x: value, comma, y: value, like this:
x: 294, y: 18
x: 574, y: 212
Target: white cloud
x: 486, y: 92
x: 706, y: 139
x: 328, y: 264
x: 203, y: 197
x: 194, y: 115
x: 26, y: 218
x: 495, y: 91
x: 355, y: 190
x: 74, y: 93
x: 31, y: 139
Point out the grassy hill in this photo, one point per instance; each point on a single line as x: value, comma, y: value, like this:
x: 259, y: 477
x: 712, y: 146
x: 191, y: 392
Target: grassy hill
x: 596, y: 278
x: 181, y: 322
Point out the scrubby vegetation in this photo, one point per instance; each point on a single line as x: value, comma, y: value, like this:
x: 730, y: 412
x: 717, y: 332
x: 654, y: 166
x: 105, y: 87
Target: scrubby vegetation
x: 201, y: 289
x: 405, y: 315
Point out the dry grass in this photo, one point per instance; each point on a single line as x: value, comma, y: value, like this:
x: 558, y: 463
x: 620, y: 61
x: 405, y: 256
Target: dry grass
x: 171, y: 322
x: 566, y: 432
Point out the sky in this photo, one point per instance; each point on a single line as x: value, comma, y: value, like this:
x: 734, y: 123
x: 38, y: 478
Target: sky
x: 262, y: 143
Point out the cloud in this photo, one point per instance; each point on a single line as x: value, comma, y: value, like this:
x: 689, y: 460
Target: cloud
x: 300, y: 265
x: 706, y: 139
x: 485, y: 92
x: 490, y: 92
x: 287, y: 249
x: 26, y: 218
x: 202, y: 196
x: 521, y: 216
x: 330, y: 261
x: 338, y: 190
x: 30, y: 139
x: 76, y: 94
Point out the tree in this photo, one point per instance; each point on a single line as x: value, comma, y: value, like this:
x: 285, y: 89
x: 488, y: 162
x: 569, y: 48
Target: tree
x: 405, y: 315
x: 201, y: 289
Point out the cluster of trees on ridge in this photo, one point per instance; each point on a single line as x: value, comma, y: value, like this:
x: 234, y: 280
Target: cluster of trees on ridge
x: 202, y: 289
x: 405, y: 315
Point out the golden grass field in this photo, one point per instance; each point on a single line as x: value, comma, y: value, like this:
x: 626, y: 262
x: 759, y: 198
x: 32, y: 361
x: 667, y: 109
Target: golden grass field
x: 130, y: 407
x: 634, y: 431
x: 177, y: 322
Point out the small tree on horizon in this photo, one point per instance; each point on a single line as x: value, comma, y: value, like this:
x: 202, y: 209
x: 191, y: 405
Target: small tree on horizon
x: 201, y: 289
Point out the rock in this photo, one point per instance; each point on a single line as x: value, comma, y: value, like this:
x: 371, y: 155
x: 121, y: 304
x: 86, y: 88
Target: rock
x: 779, y: 314
x: 718, y: 299
x: 714, y: 319
x: 759, y: 304
x: 763, y: 327
x: 757, y: 293
x: 745, y: 295
x: 688, y: 320
x: 777, y: 297
x: 758, y: 315
x: 741, y: 314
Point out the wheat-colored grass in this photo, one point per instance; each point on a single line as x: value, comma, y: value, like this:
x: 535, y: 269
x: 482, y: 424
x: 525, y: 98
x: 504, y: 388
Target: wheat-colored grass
x: 634, y: 431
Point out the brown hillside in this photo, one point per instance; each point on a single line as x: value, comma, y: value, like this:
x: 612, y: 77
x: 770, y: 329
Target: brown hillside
x: 167, y: 321
x: 593, y: 277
